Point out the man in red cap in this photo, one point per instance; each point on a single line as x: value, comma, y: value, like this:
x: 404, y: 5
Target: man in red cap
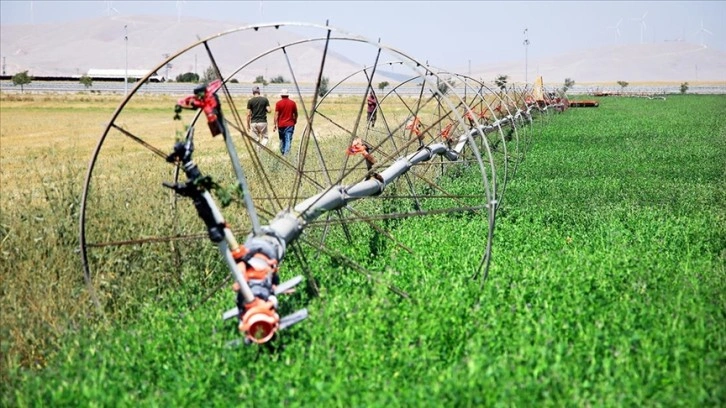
x: 285, y: 120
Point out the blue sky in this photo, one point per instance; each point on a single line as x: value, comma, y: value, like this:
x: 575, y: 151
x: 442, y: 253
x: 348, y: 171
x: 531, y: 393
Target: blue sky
x: 444, y: 33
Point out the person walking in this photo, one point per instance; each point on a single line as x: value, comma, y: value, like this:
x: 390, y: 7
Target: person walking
x: 372, y: 109
x: 257, y: 109
x: 285, y: 120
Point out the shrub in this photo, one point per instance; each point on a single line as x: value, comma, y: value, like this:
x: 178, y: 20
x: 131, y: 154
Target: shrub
x: 87, y: 81
x: 684, y: 87
x: 279, y: 80
x: 22, y: 78
x: 187, y: 77
x: 323, y: 86
x: 501, y: 82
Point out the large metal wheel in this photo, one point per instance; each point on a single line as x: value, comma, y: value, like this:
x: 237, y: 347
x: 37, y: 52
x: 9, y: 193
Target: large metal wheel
x: 437, y: 152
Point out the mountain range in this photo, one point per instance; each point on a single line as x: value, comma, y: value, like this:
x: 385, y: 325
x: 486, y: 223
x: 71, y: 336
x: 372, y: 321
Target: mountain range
x: 644, y: 63
x: 144, y: 42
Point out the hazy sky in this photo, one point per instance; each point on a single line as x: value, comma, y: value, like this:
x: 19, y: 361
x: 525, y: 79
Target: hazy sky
x: 437, y: 31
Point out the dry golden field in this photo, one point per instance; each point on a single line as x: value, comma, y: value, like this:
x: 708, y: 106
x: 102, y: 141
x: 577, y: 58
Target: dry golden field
x: 42, y: 134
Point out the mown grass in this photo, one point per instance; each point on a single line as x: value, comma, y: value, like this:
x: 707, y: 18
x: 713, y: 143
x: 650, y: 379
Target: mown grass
x: 607, y: 288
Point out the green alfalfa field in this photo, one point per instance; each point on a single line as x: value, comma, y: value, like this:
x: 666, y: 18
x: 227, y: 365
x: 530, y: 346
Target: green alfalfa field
x: 607, y: 286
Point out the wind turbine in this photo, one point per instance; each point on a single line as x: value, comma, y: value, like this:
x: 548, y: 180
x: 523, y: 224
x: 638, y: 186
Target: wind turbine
x: 703, y: 31
x: 178, y: 10
x: 110, y: 8
x: 616, y: 27
x: 643, y: 27
x: 526, y: 46
x: 126, y: 72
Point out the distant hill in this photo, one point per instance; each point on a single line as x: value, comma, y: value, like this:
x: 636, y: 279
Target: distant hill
x: 73, y: 48
x: 664, y: 62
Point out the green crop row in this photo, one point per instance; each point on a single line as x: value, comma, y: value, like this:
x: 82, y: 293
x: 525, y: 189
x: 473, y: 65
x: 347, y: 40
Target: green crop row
x: 607, y: 288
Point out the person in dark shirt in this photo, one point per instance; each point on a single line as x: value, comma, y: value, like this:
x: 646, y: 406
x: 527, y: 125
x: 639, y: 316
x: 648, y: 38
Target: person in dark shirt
x: 372, y: 109
x: 257, y: 109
